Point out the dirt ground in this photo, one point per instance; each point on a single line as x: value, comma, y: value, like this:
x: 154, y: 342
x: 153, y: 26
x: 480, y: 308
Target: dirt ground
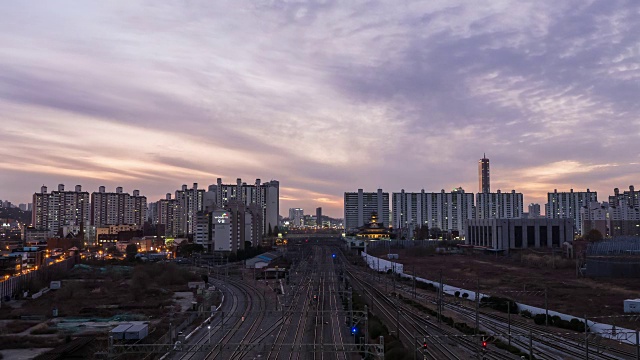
x: 524, y: 280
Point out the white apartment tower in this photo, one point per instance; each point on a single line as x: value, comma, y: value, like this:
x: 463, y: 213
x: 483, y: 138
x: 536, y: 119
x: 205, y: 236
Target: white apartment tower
x: 568, y: 205
x: 446, y: 211
x: 499, y: 205
x: 118, y: 208
x: 188, y: 203
x: 358, y: 207
x: 52, y: 211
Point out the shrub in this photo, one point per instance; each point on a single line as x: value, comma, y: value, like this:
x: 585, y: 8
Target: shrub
x: 526, y: 313
x: 539, y: 319
x: 465, y: 295
x: 457, y: 294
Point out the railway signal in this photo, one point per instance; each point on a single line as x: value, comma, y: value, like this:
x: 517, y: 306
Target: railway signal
x: 354, y: 330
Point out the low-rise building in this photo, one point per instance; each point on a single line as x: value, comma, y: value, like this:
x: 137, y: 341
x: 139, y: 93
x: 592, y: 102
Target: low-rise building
x: 514, y: 234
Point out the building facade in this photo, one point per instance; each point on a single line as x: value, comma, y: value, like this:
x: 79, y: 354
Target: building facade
x: 296, y: 216
x: 54, y: 210
x: 165, y: 212
x: 512, y: 234
x: 620, y: 216
x: 359, y: 205
x: 265, y: 195
x: 319, y: 217
x: 534, y: 211
x: 118, y: 208
x: 567, y: 205
x: 229, y: 229
x: 484, y: 185
x: 508, y: 205
x: 188, y: 203
x: 445, y: 211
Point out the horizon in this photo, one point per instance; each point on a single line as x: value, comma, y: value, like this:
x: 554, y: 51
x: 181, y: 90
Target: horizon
x: 324, y: 97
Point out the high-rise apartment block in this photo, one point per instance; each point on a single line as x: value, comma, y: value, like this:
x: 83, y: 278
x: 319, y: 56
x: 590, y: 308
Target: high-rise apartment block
x: 188, y: 203
x: 319, y: 217
x: 568, y: 205
x: 446, y: 211
x: 166, y: 210
x: 499, y: 205
x: 118, y: 208
x: 534, y: 211
x: 230, y: 228
x: 54, y: 210
x: 484, y: 185
x: 620, y: 216
x: 358, y: 207
x: 265, y: 195
x: 296, y: 217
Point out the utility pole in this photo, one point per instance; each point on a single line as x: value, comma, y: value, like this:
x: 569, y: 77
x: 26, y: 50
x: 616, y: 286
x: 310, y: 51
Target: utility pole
x: 509, y: 321
x: 398, y: 321
x: 414, y: 282
x: 530, y: 345
x: 440, y: 300
x: 477, y: 307
x: 586, y: 338
x: 546, y: 307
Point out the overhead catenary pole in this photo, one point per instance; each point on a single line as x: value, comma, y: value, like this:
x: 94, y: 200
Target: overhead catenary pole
x: 509, y: 321
x: 586, y: 338
x: 546, y: 306
x: 637, y: 345
x: 477, y: 307
x: 530, y: 345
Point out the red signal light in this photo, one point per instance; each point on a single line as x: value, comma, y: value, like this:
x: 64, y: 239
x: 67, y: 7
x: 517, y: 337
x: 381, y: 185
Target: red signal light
x: 484, y: 344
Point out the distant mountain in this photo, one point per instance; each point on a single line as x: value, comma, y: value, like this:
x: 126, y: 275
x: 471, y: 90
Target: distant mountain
x: 24, y: 217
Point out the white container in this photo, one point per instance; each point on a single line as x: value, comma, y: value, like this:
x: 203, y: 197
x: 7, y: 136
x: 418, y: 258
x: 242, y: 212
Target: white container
x: 55, y: 285
x: 632, y: 306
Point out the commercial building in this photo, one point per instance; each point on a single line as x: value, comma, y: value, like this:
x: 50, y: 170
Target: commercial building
x: 53, y: 210
x: 484, y: 185
x: 445, y: 211
x: 359, y: 205
x: 567, y: 205
x: 499, y: 205
x: 512, y: 234
x: 319, y: 217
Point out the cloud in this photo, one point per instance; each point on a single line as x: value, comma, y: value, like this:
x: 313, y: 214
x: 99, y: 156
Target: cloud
x: 325, y: 96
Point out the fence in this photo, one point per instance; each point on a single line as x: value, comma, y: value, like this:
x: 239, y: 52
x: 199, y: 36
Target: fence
x: 407, y: 244
x: 16, y: 284
x: 623, y: 246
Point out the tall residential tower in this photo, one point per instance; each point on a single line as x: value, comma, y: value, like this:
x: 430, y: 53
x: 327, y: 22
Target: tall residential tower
x: 483, y: 175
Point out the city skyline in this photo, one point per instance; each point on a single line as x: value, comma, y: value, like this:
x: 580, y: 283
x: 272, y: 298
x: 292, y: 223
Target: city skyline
x: 396, y: 97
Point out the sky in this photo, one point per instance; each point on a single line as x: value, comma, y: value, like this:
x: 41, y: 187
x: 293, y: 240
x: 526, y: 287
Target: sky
x: 324, y: 96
